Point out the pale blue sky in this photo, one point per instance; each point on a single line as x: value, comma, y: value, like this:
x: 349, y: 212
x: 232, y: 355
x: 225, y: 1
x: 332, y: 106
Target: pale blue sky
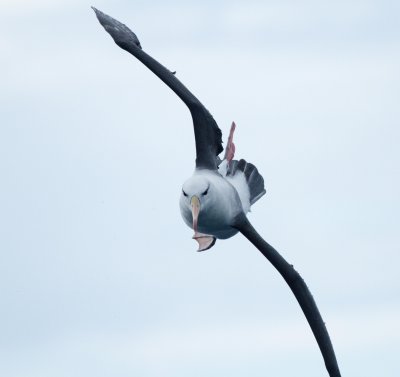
x: 98, y: 273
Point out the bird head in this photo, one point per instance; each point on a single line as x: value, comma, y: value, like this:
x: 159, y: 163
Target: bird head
x: 195, y: 198
x: 195, y: 195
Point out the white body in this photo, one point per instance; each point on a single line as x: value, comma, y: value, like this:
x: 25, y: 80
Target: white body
x: 221, y: 200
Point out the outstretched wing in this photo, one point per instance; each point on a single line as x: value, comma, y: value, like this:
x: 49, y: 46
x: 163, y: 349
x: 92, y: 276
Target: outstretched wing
x: 207, y: 133
x: 300, y: 290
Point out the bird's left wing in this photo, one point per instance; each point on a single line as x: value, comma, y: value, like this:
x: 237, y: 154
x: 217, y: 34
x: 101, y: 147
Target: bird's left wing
x: 299, y: 289
x: 207, y: 133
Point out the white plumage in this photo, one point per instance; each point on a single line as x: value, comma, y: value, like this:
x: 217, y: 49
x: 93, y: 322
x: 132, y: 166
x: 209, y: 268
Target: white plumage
x: 219, y: 205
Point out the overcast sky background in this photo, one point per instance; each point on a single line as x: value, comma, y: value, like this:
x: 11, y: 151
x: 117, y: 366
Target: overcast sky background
x: 98, y: 273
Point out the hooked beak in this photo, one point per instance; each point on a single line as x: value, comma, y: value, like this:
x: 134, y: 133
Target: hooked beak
x: 205, y: 241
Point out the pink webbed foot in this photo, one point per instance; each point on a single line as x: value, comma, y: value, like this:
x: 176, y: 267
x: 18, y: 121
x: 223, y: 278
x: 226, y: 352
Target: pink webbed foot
x: 230, y: 146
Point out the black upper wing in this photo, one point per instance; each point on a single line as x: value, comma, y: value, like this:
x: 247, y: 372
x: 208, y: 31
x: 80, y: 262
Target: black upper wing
x: 299, y: 289
x: 207, y: 133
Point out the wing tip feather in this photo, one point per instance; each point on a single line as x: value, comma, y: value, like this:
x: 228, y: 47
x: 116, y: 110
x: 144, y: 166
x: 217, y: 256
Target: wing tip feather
x: 122, y: 35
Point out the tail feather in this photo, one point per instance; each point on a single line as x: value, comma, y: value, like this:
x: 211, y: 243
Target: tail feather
x: 254, y: 179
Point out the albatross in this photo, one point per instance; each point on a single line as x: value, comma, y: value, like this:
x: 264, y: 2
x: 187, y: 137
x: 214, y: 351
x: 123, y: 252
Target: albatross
x: 215, y: 200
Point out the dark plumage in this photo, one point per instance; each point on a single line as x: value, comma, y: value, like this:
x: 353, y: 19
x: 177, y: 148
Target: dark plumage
x: 207, y: 133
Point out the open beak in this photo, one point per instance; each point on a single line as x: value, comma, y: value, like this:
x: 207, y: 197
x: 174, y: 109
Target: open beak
x: 205, y: 241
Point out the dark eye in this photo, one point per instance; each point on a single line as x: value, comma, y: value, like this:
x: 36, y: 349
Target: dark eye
x: 184, y: 193
x: 205, y: 192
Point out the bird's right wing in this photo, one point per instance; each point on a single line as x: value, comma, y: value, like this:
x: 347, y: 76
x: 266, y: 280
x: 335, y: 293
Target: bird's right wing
x: 299, y: 289
x: 207, y: 133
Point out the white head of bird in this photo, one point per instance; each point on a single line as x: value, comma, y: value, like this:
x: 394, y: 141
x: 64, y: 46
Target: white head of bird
x: 195, y: 196
x: 208, y: 203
